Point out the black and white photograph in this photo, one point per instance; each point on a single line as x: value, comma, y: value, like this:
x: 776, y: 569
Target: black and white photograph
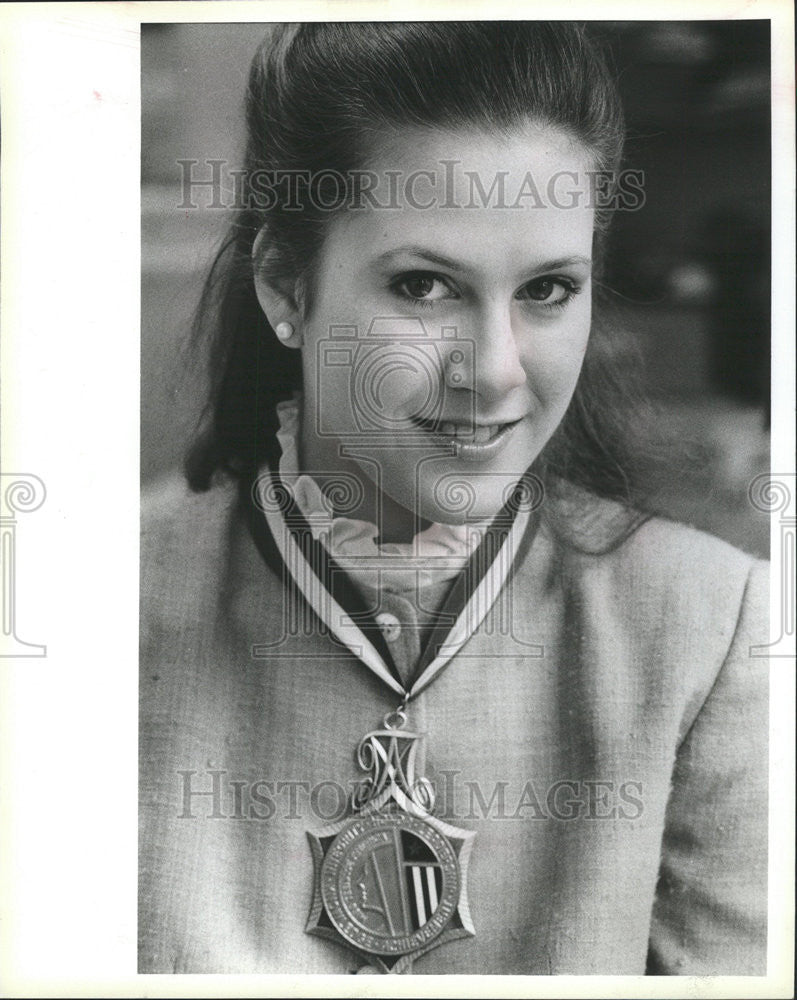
x: 433, y: 679
x: 439, y: 482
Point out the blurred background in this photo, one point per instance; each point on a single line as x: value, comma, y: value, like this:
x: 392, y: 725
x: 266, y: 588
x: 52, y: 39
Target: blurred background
x: 688, y: 274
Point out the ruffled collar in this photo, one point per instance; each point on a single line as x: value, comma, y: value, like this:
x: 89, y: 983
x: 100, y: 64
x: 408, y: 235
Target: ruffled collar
x: 436, y: 554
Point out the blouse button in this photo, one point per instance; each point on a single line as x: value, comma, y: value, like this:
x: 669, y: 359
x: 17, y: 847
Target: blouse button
x: 389, y: 626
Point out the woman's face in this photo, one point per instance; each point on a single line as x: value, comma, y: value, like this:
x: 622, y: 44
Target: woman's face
x: 450, y: 316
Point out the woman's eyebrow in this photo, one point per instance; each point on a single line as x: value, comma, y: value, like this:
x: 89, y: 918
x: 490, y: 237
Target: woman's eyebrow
x: 418, y: 251
x: 553, y: 265
x: 453, y: 265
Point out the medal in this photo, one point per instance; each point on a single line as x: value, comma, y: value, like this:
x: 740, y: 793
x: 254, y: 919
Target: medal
x: 391, y: 879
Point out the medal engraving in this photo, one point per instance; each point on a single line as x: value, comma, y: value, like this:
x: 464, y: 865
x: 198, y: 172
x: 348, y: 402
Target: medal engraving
x: 390, y: 881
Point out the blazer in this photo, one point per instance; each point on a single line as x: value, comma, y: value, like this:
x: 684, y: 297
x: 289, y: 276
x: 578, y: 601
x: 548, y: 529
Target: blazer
x: 601, y: 728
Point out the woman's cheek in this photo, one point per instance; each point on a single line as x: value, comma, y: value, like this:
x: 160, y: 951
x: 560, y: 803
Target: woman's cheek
x: 553, y: 366
x: 397, y: 384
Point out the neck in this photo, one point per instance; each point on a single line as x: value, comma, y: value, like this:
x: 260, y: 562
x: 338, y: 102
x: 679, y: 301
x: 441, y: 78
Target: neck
x: 396, y: 524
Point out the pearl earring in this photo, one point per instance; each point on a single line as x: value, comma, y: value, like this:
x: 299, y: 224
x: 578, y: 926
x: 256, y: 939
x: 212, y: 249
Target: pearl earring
x: 284, y: 331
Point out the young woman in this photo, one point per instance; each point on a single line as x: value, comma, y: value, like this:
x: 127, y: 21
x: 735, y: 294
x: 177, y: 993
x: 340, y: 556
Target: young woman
x: 425, y: 687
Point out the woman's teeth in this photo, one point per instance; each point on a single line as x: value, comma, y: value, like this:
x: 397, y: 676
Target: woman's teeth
x: 478, y: 434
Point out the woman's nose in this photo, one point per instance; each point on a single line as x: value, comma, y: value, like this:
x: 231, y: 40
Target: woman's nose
x: 490, y: 362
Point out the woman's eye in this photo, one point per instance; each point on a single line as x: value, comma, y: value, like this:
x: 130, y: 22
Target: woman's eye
x: 549, y: 291
x: 422, y: 286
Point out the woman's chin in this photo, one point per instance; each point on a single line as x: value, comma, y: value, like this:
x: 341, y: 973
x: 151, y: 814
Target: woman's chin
x: 460, y: 506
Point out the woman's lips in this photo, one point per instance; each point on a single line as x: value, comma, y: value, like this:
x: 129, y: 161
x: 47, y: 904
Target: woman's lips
x: 472, y: 442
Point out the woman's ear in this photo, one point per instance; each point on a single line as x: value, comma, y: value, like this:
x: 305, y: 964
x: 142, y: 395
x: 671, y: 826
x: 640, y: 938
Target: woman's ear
x: 278, y: 302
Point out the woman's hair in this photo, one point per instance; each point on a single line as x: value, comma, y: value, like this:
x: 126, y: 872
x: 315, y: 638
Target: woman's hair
x: 319, y: 96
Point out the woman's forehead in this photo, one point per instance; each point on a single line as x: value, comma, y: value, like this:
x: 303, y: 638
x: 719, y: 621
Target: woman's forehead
x: 478, y: 199
x: 470, y: 159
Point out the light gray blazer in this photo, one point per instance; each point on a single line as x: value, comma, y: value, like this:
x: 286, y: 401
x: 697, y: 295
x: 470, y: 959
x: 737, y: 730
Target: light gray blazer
x: 605, y: 736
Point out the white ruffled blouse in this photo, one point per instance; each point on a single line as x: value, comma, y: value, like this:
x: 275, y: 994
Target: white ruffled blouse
x: 436, y: 554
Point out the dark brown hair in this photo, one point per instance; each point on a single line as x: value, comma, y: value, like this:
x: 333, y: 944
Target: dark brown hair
x: 317, y: 95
